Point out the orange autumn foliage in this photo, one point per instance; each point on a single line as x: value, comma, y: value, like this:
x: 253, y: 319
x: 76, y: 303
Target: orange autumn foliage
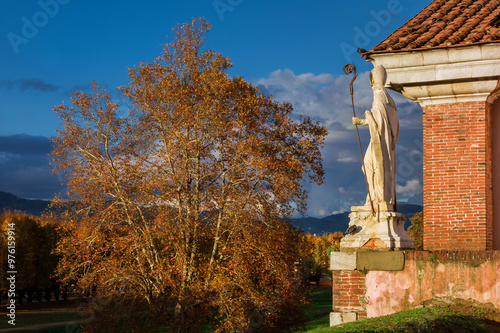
x: 315, y: 254
x: 183, y: 206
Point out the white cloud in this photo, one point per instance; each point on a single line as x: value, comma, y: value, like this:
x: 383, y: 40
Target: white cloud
x: 411, y: 186
x: 321, y: 212
x: 347, y: 157
x: 323, y: 97
x: 339, y: 211
x: 5, y: 157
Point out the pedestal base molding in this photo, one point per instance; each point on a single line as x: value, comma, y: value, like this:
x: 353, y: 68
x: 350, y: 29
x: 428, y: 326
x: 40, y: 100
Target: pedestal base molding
x: 383, y: 230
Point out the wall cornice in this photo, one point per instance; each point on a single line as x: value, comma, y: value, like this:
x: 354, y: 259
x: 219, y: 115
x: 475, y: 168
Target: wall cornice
x: 447, y: 75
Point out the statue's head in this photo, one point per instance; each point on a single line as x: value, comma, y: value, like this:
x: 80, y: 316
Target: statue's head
x: 378, y: 77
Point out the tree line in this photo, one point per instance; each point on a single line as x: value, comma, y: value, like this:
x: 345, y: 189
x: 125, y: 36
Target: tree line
x: 35, y: 261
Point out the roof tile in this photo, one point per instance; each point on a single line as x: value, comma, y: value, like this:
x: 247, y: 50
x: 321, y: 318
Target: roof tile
x: 446, y: 23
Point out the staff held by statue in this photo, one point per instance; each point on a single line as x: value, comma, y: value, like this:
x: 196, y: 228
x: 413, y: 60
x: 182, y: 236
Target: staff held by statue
x: 348, y: 69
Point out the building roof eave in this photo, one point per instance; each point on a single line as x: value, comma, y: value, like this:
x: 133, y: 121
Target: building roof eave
x: 444, y: 75
x: 368, y: 55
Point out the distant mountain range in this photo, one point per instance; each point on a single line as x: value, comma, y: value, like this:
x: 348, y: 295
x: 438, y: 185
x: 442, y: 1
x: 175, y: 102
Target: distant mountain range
x: 33, y: 207
x: 313, y: 225
x: 340, y: 222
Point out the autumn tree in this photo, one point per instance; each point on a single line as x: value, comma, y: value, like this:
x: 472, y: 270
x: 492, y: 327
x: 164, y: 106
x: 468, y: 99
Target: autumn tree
x: 183, y: 207
x: 32, y: 245
x: 416, y: 230
x: 314, y: 252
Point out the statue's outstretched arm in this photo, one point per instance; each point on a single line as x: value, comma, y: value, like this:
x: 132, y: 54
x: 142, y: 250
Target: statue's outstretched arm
x: 359, y: 121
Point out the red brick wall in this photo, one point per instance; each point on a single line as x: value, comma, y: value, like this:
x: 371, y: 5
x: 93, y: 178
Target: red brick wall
x: 455, y: 177
x: 349, y: 289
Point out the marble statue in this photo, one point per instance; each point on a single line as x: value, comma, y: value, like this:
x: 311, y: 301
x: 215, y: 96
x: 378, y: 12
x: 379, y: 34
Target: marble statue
x: 377, y: 225
x: 380, y: 156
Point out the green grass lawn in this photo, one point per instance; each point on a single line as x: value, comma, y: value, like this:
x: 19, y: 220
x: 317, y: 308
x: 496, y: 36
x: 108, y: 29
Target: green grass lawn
x: 52, y: 329
x: 39, y: 317
x: 419, y: 320
x: 318, y: 312
x: 53, y: 312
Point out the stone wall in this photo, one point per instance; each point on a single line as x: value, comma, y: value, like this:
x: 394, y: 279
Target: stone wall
x: 434, y: 276
x: 456, y: 179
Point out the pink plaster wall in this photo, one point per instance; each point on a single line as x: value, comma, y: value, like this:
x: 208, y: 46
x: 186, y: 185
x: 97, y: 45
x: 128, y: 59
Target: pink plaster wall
x: 424, y: 280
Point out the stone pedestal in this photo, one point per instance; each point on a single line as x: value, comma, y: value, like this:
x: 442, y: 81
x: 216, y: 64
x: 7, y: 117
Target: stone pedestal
x: 382, y: 230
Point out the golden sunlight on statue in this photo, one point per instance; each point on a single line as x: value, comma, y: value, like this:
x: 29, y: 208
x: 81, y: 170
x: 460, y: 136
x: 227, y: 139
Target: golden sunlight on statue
x: 380, y: 156
x: 377, y: 225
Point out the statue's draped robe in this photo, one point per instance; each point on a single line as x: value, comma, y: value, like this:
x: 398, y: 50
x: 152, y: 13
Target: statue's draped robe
x: 380, y: 157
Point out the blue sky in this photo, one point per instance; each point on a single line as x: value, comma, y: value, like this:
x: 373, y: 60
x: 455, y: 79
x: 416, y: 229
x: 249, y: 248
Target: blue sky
x: 294, y: 50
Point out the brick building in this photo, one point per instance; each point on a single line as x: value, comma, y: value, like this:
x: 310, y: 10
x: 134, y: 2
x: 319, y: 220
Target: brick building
x: 447, y: 59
